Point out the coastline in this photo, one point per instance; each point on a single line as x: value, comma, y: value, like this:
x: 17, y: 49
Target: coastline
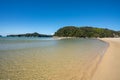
x: 108, y: 69
x: 67, y: 62
x: 91, y: 70
x: 99, y: 67
x: 59, y: 38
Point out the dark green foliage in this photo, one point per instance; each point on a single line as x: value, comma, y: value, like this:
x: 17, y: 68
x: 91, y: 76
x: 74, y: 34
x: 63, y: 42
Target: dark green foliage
x: 30, y: 35
x: 72, y: 31
x: 67, y: 31
x: 0, y: 35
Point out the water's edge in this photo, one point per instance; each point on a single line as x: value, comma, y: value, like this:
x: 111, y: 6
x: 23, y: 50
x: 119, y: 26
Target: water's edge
x: 96, y: 65
x: 45, y: 57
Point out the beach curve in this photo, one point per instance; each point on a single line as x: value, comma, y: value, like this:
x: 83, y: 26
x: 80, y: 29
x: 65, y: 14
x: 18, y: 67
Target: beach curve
x: 109, y: 67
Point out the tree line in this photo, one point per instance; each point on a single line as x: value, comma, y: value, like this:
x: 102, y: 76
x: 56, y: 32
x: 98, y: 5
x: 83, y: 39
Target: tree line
x: 35, y: 34
x: 86, y: 31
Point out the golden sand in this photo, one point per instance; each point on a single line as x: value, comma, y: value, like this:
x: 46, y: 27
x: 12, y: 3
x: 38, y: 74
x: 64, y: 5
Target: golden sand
x: 109, y: 68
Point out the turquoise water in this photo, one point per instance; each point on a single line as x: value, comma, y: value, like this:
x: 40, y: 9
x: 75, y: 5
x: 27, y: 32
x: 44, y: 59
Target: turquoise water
x: 49, y: 59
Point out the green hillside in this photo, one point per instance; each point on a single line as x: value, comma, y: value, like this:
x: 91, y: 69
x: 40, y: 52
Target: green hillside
x: 72, y: 31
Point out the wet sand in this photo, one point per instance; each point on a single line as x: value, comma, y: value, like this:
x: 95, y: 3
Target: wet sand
x: 109, y: 68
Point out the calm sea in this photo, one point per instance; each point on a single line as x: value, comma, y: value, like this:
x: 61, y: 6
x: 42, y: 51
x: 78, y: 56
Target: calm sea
x: 49, y: 59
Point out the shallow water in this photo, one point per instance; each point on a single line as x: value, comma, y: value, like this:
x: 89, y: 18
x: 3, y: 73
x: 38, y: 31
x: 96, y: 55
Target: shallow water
x: 49, y: 59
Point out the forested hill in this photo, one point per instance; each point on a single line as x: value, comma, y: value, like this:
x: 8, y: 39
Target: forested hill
x: 30, y: 35
x: 72, y: 31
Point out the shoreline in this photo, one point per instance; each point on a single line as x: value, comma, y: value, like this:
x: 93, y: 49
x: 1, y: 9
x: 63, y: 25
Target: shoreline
x: 108, y: 68
x: 96, y: 68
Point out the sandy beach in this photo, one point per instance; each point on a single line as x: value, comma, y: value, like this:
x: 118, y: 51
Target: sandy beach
x: 109, y: 68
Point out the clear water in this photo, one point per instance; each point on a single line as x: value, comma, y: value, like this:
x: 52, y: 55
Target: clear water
x: 49, y: 59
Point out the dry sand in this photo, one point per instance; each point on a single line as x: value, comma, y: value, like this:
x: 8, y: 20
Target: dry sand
x: 109, y: 68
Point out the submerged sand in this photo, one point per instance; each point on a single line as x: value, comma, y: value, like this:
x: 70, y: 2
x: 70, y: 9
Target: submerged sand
x: 109, y: 68
x: 55, y: 60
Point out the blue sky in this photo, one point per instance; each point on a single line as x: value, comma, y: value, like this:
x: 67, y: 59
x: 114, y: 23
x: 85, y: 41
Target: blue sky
x: 47, y: 16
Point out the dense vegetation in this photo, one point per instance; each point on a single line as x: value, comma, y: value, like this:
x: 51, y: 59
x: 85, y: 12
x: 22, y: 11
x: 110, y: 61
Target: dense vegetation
x: 0, y: 35
x: 30, y: 35
x: 72, y: 31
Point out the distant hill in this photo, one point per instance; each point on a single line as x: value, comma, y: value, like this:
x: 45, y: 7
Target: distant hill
x: 29, y: 35
x: 86, y: 31
x: 0, y: 35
